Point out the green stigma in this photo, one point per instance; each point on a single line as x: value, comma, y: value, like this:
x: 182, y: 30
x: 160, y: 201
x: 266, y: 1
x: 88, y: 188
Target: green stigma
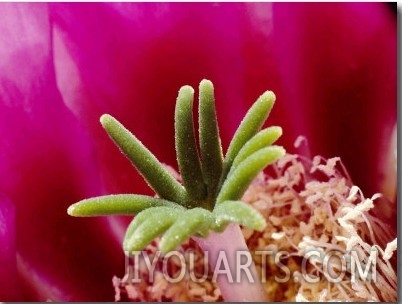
x: 209, y: 197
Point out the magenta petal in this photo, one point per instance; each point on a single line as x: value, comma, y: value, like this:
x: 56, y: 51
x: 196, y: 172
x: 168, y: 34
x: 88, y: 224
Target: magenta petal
x: 8, y: 267
x: 339, y: 62
x: 46, y: 164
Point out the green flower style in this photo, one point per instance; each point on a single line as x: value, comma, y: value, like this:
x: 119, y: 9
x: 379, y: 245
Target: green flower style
x: 209, y: 197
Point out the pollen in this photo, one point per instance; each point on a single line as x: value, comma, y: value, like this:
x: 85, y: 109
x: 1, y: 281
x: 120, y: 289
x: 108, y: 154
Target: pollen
x: 328, y: 216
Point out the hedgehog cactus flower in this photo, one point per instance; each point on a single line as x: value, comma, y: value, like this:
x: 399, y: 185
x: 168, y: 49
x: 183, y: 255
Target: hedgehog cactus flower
x: 332, y: 66
x: 209, y: 199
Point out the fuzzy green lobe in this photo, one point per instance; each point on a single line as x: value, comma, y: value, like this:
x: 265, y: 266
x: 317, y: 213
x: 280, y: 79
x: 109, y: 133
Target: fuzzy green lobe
x: 213, y: 184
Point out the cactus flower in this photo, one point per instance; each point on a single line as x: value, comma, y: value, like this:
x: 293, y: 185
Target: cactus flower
x: 332, y: 67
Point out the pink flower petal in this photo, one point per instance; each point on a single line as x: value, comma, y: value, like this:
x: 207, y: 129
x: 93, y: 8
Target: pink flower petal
x: 46, y: 165
x: 8, y: 268
x: 338, y: 61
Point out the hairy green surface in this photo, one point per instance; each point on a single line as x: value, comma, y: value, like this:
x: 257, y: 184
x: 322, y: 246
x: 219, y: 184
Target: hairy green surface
x: 117, y: 204
x: 186, y: 146
x: 210, y: 142
x: 155, y: 174
x: 213, y: 185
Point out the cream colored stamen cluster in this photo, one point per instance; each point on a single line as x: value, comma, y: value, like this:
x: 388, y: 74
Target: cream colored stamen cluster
x: 309, y: 205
